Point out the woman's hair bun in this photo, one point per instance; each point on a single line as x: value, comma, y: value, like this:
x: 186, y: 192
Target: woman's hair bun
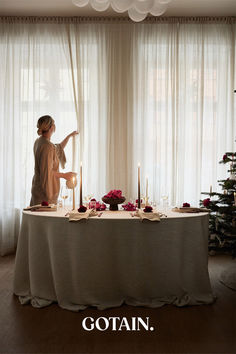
x: 44, y: 124
x: 39, y: 131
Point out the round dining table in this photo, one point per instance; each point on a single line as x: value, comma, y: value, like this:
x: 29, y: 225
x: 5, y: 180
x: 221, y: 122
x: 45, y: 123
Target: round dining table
x: 111, y: 259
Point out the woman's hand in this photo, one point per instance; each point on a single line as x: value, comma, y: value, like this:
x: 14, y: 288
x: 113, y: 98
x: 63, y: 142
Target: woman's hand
x: 74, y: 133
x: 69, y: 175
x: 65, y: 141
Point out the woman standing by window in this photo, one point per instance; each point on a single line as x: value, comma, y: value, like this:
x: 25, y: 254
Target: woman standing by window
x: 46, y: 180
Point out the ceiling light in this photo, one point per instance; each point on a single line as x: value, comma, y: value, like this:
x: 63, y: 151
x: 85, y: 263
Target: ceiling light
x: 137, y: 9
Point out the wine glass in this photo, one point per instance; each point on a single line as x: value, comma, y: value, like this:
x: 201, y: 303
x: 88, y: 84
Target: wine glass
x: 154, y: 205
x: 64, y: 194
x: 165, y: 198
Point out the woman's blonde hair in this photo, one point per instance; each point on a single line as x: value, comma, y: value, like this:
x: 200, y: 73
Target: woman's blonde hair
x: 44, y: 124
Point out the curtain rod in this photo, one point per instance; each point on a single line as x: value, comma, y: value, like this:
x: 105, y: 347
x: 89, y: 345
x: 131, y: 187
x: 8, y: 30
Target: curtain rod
x: 86, y: 19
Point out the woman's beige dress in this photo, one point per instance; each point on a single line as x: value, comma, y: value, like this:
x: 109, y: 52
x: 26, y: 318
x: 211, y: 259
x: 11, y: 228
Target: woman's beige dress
x: 45, y: 186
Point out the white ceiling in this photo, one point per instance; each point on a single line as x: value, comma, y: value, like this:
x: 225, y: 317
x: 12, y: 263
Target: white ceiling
x: 66, y: 8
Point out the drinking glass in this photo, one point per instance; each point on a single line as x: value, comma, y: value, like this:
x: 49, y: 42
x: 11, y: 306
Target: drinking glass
x: 164, y: 198
x: 154, y: 205
x: 64, y: 194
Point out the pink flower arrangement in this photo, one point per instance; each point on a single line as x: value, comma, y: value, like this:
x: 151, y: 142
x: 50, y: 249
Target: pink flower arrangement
x: 186, y: 205
x: 206, y: 202
x: 147, y: 209
x: 129, y: 207
x: 114, y: 194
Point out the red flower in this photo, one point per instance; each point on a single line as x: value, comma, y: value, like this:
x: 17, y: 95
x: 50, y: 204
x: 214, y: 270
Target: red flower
x: 96, y: 205
x: 129, y: 207
x: 186, y: 205
x: 44, y: 203
x: 102, y: 207
x: 147, y: 209
x: 206, y: 202
x: 224, y: 157
x: 82, y: 209
x: 114, y: 194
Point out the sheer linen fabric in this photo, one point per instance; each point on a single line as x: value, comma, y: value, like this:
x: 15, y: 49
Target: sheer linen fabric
x: 159, y: 94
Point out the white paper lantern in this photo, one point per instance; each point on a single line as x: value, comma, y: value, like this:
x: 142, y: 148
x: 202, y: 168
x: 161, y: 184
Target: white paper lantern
x: 122, y: 5
x: 80, y: 3
x: 158, y: 9
x: 135, y: 15
x: 143, y: 7
x: 100, y: 6
x: 113, y: 5
x: 137, y: 9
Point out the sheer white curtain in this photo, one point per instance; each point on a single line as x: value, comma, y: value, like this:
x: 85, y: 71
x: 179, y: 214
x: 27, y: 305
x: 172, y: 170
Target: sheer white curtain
x: 34, y: 81
x: 184, y: 106
x: 156, y: 93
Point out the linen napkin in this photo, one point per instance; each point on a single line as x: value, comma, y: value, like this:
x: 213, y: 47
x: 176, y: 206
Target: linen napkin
x: 154, y: 216
x: 76, y: 216
x: 39, y: 207
x: 190, y: 210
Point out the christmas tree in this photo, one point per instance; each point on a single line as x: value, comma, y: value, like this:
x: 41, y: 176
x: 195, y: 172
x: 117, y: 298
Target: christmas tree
x: 222, y: 206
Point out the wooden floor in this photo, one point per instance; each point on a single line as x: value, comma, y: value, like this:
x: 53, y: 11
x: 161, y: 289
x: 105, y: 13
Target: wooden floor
x: 197, y: 329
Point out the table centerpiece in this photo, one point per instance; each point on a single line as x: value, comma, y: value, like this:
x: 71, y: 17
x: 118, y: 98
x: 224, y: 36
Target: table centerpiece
x: 113, y: 198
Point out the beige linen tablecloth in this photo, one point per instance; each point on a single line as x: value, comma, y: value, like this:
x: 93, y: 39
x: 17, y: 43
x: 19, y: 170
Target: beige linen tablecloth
x: 112, y: 259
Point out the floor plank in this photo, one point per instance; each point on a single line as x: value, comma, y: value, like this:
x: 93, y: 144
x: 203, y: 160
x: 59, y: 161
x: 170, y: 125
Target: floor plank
x: 197, y: 329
